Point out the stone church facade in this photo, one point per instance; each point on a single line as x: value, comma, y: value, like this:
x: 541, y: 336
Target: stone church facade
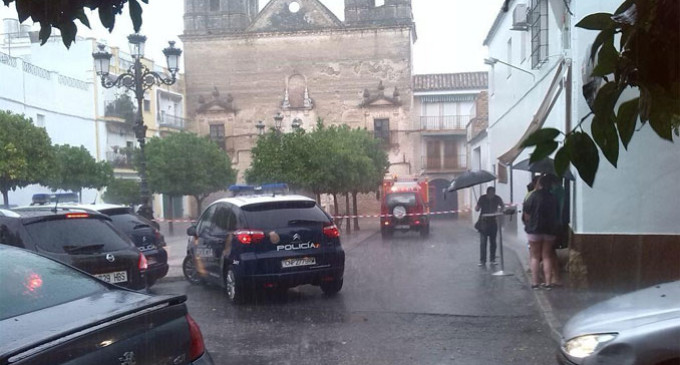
x: 295, y: 57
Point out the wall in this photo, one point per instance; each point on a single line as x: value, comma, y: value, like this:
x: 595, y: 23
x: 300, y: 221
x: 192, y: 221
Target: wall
x: 65, y: 103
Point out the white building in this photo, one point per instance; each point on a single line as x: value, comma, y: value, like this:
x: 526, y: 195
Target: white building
x: 60, y: 102
x: 624, y: 228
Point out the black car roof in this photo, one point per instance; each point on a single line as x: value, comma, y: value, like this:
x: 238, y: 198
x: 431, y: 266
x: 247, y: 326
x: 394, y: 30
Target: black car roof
x: 36, y: 214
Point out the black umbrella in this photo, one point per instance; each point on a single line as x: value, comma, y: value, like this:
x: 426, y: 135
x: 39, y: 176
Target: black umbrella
x: 471, y: 178
x: 544, y: 166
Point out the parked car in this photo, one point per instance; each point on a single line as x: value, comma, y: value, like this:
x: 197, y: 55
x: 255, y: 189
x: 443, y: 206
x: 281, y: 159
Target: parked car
x: 404, y: 206
x: 85, y: 240
x: 253, y: 242
x: 143, y: 233
x: 641, y: 328
x: 51, y: 313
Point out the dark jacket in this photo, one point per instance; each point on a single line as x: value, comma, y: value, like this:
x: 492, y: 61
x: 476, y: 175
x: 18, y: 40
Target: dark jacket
x: 541, y: 206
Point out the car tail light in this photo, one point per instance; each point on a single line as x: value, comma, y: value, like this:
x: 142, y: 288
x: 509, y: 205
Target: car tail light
x: 77, y: 215
x: 142, y: 264
x: 331, y: 231
x: 160, y: 242
x: 197, y: 348
x: 247, y: 237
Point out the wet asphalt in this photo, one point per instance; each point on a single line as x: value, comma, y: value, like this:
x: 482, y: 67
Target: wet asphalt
x: 405, y: 300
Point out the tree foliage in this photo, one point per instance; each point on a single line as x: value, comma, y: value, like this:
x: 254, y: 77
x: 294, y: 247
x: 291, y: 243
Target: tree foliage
x: 26, y: 155
x: 645, y: 59
x: 74, y: 169
x: 330, y: 159
x: 63, y: 14
x: 123, y: 107
x: 185, y: 164
x: 123, y: 191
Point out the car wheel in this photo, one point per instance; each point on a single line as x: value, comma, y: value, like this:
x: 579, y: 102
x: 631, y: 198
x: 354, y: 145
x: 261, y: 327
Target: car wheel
x: 233, y: 287
x: 425, y: 231
x: 331, y: 287
x: 191, y: 271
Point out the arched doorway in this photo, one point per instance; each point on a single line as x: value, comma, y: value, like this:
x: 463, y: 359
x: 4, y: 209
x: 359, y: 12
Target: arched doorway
x: 440, y: 203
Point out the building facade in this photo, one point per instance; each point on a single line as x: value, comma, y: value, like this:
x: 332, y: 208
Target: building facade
x: 443, y: 104
x: 623, y: 228
x: 298, y: 59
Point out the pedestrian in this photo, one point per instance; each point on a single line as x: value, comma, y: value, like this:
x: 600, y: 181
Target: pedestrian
x: 488, y: 204
x: 540, y: 216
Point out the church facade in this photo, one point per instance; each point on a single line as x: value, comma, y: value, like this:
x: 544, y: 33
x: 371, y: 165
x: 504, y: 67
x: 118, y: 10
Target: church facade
x: 296, y: 59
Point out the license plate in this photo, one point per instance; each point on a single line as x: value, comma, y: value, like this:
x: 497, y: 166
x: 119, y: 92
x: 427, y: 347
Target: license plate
x: 301, y: 261
x: 402, y: 226
x: 113, y: 277
x: 150, y: 260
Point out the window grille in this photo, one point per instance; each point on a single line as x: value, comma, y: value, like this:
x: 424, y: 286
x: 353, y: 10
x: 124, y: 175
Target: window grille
x: 381, y: 130
x: 538, y: 18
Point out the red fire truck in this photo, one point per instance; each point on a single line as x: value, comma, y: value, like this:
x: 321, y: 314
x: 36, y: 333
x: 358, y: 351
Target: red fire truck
x: 404, y: 205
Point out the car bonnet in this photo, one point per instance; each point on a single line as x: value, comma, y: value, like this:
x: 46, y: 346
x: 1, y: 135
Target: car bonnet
x: 639, y: 308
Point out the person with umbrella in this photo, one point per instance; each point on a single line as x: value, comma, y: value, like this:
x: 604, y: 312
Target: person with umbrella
x: 488, y: 204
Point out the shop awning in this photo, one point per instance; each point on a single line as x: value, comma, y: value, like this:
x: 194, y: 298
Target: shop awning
x: 541, y: 114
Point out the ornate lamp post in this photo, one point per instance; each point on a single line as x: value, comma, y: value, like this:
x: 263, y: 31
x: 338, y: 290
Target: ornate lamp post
x: 138, y: 79
x: 278, y: 121
x: 260, y: 127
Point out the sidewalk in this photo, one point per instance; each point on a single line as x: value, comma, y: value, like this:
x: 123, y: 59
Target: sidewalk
x: 177, y: 243
x: 558, y: 304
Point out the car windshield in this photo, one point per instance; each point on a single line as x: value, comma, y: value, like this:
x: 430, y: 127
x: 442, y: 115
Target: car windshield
x: 31, y: 282
x: 76, y: 236
x: 357, y: 181
x: 268, y: 216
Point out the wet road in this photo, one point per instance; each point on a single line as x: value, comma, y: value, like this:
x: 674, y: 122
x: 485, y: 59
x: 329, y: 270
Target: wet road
x: 406, y: 300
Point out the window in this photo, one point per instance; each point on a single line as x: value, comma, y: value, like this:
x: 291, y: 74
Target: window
x: 40, y: 121
x: 72, y: 235
x: 217, y: 134
x: 502, y: 174
x: 379, y: 3
x: 509, y: 56
x: 539, y: 32
x: 214, y: 5
x: 147, y: 105
x: 381, y: 130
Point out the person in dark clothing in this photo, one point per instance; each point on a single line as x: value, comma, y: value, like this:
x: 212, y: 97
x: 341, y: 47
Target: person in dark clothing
x: 489, y: 203
x: 540, y: 216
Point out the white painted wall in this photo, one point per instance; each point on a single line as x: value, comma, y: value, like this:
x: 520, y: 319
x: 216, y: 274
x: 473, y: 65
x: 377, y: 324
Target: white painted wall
x: 65, y: 105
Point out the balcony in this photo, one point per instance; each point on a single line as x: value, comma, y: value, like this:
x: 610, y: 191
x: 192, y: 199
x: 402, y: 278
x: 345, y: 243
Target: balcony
x: 444, y: 123
x: 120, y: 160
x: 171, y: 121
x: 448, y: 164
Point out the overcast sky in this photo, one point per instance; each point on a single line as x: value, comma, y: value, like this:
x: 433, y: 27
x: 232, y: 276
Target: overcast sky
x: 450, y: 32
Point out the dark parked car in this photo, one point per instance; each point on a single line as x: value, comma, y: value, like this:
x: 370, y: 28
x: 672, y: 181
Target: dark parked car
x: 642, y: 328
x: 143, y: 233
x: 85, y: 240
x: 51, y: 313
x: 252, y: 242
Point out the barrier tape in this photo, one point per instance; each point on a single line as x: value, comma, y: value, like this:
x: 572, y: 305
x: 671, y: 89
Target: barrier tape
x: 339, y: 217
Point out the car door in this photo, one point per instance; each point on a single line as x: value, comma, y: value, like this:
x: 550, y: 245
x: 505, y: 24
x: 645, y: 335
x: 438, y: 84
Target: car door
x: 203, y: 253
x: 221, y: 227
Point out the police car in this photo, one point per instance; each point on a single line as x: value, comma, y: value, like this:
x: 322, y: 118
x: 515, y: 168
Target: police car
x: 258, y: 241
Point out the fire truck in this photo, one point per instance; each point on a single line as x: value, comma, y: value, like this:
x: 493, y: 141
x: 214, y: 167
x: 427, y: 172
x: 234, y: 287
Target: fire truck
x: 404, y: 205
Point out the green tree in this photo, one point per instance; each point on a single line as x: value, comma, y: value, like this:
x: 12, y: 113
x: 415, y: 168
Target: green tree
x: 122, y: 107
x: 74, y: 169
x: 26, y: 154
x: 123, y: 191
x: 185, y: 164
x: 63, y: 14
x: 645, y: 60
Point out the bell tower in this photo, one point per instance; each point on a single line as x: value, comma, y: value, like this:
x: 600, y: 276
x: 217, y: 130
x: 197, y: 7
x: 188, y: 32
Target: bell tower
x: 202, y: 17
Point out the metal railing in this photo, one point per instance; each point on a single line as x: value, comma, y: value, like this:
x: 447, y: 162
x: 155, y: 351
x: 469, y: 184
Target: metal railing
x: 444, y: 122
x: 171, y: 121
x: 436, y: 163
x: 120, y: 160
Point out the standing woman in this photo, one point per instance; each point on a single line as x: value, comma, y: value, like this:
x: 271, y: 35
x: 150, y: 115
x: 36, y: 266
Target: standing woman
x: 540, y: 215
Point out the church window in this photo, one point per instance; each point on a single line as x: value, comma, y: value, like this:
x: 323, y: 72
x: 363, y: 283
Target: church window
x: 294, y: 7
x: 381, y: 130
x: 217, y: 134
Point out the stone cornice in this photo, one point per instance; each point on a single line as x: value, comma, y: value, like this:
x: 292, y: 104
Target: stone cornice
x: 250, y: 35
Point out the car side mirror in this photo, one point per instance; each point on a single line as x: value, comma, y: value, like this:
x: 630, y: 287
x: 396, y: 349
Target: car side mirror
x: 191, y: 231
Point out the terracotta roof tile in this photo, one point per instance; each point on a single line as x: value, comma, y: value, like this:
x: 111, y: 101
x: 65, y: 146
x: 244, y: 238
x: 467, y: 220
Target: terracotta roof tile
x: 455, y: 81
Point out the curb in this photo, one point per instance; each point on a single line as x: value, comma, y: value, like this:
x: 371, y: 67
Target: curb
x: 543, y: 302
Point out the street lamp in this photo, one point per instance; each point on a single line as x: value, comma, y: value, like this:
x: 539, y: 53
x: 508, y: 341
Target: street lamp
x: 297, y: 123
x: 260, y: 127
x: 278, y: 120
x: 138, y: 79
